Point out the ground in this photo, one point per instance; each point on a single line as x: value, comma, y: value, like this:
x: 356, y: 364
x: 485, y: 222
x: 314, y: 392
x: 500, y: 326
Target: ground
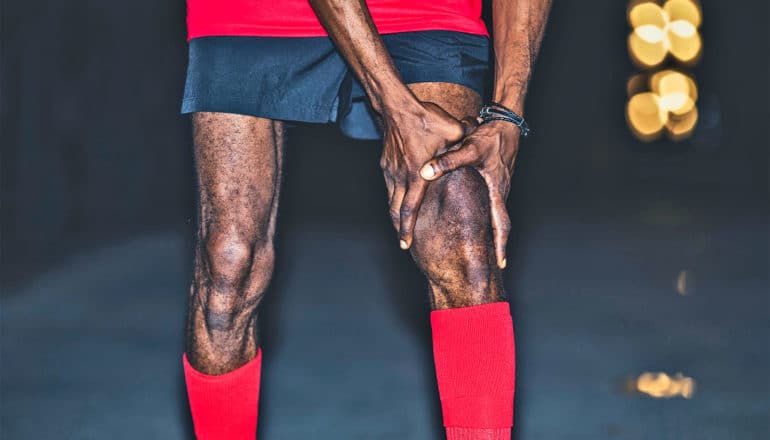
x: 92, y: 349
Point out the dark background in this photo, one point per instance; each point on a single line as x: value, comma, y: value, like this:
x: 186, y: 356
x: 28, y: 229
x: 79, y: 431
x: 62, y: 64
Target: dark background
x: 96, y: 157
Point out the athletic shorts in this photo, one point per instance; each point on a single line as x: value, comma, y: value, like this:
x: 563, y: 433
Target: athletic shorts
x: 306, y: 80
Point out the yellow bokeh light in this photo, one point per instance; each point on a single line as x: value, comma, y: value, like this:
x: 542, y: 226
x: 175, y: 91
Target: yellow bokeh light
x: 645, y: 116
x: 674, y: 102
x: 670, y: 81
x: 650, y: 33
x: 676, y: 91
x: 646, y: 53
x: 659, y: 31
x: 661, y: 385
x: 681, y: 126
x: 682, y: 28
x: 669, y: 105
x: 683, y: 10
x: 683, y: 107
x: 647, y: 13
x: 685, y: 49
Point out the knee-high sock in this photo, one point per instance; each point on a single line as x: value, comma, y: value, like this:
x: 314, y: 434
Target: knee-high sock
x: 224, y: 407
x: 473, y: 350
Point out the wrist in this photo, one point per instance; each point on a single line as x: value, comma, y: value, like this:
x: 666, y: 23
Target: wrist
x: 389, y: 95
x: 510, y: 94
x: 495, y: 112
x: 514, y: 101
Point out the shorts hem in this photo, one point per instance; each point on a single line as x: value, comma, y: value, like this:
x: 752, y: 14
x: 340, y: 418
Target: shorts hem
x: 315, y: 114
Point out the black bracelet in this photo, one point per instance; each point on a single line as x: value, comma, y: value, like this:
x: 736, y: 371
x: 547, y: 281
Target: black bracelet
x: 494, y: 111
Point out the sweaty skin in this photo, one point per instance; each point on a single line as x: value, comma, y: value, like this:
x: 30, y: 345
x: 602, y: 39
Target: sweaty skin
x: 518, y: 27
x: 239, y: 162
x: 491, y: 149
x: 414, y: 131
x: 453, y: 237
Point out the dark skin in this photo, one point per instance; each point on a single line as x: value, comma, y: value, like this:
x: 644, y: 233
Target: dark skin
x: 491, y: 149
x: 239, y: 163
x: 239, y: 167
x: 458, y: 238
x: 414, y: 128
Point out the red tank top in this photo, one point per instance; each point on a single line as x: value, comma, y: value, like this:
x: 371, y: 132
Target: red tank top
x: 295, y: 18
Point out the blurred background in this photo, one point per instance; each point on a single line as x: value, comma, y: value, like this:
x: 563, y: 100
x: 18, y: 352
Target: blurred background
x: 638, y: 263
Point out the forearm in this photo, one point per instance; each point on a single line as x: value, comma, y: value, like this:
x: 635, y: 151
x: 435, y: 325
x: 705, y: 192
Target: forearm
x: 350, y: 26
x: 518, y: 27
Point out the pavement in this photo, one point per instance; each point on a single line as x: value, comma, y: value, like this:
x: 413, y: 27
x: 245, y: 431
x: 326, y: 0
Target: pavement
x: 92, y: 348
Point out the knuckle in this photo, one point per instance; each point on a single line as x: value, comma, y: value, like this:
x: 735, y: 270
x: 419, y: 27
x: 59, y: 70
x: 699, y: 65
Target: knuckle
x: 445, y: 163
x: 473, y: 148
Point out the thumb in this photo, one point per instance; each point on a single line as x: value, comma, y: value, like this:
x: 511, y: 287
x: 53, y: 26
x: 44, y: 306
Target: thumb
x: 451, y: 129
x: 467, y: 155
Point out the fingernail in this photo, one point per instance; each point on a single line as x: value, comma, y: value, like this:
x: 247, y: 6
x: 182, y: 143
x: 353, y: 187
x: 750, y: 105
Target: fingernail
x: 404, y: 245
x: 427, y: 172
x: 503, y: 263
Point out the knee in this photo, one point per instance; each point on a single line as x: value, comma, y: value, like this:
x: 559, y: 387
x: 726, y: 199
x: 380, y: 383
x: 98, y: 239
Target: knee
x: 453, y: 239
x: 464, y: 200
x: 453, y: 232
x: 238, y: 263
x: 455, y: 214
x: 238, y: 271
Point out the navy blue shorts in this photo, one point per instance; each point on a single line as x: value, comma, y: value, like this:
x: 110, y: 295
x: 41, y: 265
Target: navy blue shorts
x: 307, y: 80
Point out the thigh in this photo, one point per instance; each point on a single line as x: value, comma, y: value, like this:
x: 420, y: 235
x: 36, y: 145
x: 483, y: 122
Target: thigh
x: 458, y: 100
x: 238, y: 161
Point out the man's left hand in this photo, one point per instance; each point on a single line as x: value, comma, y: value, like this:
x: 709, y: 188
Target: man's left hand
x: 491, y: 149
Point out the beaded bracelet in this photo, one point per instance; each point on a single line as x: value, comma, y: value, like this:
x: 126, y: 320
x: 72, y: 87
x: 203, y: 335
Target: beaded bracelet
x: 494, y: 111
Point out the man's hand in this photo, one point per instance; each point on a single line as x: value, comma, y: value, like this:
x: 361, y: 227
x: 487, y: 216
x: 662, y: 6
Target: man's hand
x: 414, y: 131
x: 413, y: 134
x: 491, y: 148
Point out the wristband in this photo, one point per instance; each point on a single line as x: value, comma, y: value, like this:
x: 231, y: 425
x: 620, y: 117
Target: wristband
x: 494, y: 111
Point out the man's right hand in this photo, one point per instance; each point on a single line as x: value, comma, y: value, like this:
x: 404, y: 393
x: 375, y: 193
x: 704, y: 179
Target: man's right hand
x: 414, y: 132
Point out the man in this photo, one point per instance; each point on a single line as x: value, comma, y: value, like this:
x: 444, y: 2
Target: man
x: 409, y: 72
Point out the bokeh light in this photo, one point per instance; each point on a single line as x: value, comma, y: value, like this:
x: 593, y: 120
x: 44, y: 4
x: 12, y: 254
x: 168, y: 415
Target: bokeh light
x: 662, y: 30
x: 678, y: 91
x: 663, y: 386
x: 645, y: 115
x: 684, y: 282
x: 686, y: 10
x: 664, y: 101
x: 665, y: 105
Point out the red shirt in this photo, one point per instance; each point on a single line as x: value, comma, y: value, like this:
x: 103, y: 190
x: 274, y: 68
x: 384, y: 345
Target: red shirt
x: 295, y: 18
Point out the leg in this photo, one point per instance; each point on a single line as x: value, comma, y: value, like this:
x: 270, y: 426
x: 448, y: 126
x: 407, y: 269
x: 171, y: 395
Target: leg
x: 238, y: 161
x: 472, y: 329
x: 239, y: 169
x: 453, y: 241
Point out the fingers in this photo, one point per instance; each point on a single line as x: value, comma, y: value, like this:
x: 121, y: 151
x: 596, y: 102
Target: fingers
x: 466, y: 155
x: 501, y: 226
x: 409, y: 209
x: 396, y: 199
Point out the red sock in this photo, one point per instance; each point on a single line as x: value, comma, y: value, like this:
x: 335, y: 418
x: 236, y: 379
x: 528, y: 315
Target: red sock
x: 224, y: 407
x: 475, y: 367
